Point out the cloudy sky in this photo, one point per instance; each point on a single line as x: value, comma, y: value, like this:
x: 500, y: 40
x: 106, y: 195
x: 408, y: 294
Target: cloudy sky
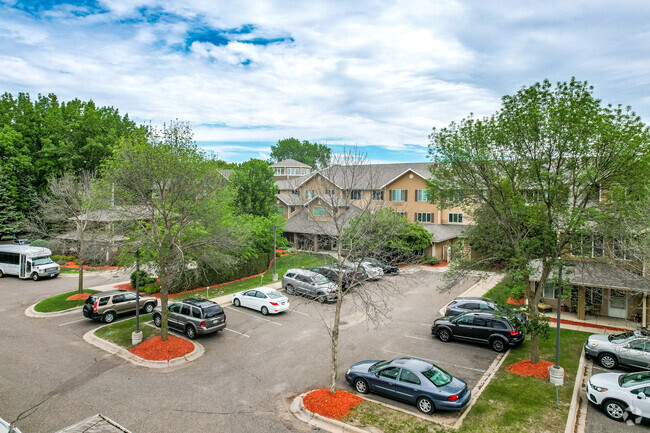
x: 376, y: 74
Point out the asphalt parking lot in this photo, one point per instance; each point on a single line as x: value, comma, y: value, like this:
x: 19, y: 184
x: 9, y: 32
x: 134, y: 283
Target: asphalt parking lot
x: 51, y: 378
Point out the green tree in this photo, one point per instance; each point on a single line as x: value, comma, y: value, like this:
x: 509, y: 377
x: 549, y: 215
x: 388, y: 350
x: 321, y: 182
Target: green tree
x: 10, y: 218
x: 254, y: 187
x: 534, y: 171
x: 182, y: 206
x: 314, y: 155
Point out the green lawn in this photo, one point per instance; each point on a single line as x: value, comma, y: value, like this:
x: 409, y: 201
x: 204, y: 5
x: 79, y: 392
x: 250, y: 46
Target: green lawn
x: 388, y: 420
x: 516, y: 404
x: 120, y: 332
x: 59, y: 302
x: 298, y: 260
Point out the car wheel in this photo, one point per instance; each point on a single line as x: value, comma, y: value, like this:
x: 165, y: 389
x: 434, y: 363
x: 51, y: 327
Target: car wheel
x: 607, y: 360
x: 361, y: 386
x: 1, y: 273
x: 290, y: 289
x: 190, y: 332
x: 236, y: 302
x: 425, y: 405
x: 615, y: 409
x: 444, y: 335
x: 498, y: 345
x: 265, y: 311
x: 35, y: 276
x: 157, y: 320
x: 109, y: 317
x: 148, y: 307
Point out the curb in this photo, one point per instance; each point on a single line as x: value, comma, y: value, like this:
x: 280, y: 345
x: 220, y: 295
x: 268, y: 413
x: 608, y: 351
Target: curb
x: 319, y: 421
x: 30, y: 312
x: 114, y: 349
x: 578, y: 403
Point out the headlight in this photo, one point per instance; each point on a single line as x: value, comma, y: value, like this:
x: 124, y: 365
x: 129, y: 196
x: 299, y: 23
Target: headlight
x: 347, y: 372
x: 592, y: 343
x: 598, y: 388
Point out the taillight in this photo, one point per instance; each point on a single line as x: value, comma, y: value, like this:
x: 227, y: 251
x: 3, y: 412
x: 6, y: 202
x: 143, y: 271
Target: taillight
x: 358, y: 273
x: 274, y: 303
x: 453, y: 397
x: 515, y: 332
x: 203, y: 323
x: 95, y: 306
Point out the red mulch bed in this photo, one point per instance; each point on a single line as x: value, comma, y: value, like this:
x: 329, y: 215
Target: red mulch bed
x: 588, y: 325
x: 77, y: 297
x: 73, y: 265
x: 513, y: 301
x: 442, y: 264
x: 155, y: 349
x: 334, y: 406
x: 526, y: 368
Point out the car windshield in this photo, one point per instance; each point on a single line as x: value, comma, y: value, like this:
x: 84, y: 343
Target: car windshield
x: 372, y: 261
x: 37, y: 261
x: 632, y: 379
x: 319, y: 279
x: 377, y: 365
x: 212, y: 311
x: 437, y: 376
x: 274, y: 295
x: 621, y: 337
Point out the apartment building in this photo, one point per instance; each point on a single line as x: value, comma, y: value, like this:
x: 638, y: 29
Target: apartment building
x: 314, y: 202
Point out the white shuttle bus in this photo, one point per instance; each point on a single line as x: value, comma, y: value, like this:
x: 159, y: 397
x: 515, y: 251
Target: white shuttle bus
x: 27, y: 262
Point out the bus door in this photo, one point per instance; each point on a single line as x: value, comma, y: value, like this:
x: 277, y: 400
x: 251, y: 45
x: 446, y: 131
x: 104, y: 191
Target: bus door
x: 23, y: 263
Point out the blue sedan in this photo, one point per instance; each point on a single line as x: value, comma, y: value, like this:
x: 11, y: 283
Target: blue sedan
x: 412, y: 380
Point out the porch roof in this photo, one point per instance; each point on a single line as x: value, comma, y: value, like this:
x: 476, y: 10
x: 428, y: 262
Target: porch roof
x: 302, y: 223
x: 597, y: 274
x: 444, y: 232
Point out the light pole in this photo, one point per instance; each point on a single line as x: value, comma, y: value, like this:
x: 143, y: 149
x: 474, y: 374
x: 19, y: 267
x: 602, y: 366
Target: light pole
x: 555, y: 372
x: 136, y: 336
x: 275, y: 273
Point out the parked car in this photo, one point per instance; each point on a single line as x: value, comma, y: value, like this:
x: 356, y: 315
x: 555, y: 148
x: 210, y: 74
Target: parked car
x: 332, y: 274
x: 373, y: 272
x: 193, y: 316
x: 264, y: 299
x: 106, y: 306
x: 630, y: 348
x: 386, y: 267
x: 622, y: 396
x: 412, y: 380
x: 480, y: 327
x: 21, y: 242
x: 464, y: 304
x: 309, y: 283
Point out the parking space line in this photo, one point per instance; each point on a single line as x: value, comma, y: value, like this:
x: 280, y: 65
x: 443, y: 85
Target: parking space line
x: 436, y: 362
x: 425, y: 324
x: 417, y: 338
x: 236, y: 332
x: 300, y: 312
x: 252, y: 315
x: 74, y: 321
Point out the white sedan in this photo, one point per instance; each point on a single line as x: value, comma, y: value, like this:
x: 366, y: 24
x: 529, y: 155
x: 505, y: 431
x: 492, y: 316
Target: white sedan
x: 264, y: 299
x: 623, y: 396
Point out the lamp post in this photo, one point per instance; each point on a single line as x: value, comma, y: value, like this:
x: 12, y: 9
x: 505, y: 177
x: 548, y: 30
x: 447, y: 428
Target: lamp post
x: 136, y: 336
x: 555, y: 372
x: 275, y: 273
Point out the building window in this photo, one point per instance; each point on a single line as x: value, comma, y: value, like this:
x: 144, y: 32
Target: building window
x: 455, y: 217
x: 280, y: 210
x: 329, y: 192
x: 421, y: 195
x: 336, y: 210
x: 320, y: 211
x: 304, y: 171
x: 355, y: 194
x: 279, y: 171
x: 402, y: 214
x: 378, y: 194
x: 292, y: 209
x: 296, y: 192
x: 550, y: 291
x: 309, y: 194
x: 621, y: 250
x: 588, y: 246
x: 398, y: 195
x: 423, y: 217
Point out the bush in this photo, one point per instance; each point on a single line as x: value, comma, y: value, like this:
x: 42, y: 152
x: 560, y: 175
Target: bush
x: 430, y: 260
x: 61, y: 260
x: 39, y: 243
x: 143, y: 277
x: 151, y: 288
x: 290, y: 250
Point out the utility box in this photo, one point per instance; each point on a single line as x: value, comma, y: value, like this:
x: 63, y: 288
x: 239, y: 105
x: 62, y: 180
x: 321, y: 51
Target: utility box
x: 556, y: 375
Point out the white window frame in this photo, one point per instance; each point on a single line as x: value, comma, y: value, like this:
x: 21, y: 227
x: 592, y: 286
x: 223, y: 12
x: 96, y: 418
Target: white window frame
x: 402, y: 193
x: 355, y: 193
x: 421, y: 195
x: 458, y: 216
x: 329, y: 192
x: 378, y: 194
x: 309, y: 194
x: 423, y: 217
x: 313, y: 210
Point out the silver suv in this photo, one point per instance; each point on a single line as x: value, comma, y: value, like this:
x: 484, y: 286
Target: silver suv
x: 309, y: 283
x: 630, y: 348
x: 106, y: 306
x: 193, y: 316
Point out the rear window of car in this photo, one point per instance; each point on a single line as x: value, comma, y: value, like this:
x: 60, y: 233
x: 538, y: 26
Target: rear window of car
x: 497, y: 324
x: 274, y: 295
x: 212, y: 311
x: 196, y: 312
x: 437, y: 376
x: 103, y: 301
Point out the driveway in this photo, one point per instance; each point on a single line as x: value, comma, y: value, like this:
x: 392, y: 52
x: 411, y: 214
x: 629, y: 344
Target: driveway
x: 244, y: 382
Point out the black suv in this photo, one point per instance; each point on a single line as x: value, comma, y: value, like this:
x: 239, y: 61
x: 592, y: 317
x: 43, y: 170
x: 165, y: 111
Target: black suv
x: 463, y: 305
x: 480, y: 327
x: 193, y: 316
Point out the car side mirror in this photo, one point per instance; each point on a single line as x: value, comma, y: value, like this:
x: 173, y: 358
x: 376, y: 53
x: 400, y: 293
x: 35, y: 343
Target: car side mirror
x: 641, y: 396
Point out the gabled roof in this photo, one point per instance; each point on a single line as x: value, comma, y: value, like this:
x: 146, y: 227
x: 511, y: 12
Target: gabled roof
x: 445, y: 232
x: 302, y: 223
x: 330, y: 200
x: 402, y: 174
x: 291, y: 199
x: 289, y: 163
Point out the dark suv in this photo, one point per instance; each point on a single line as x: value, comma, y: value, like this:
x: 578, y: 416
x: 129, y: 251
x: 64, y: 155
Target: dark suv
x: 193, y: 316
x: 106, y: 306
x: 332, y: 274
x: 463, y: 305
x: 479, y: 327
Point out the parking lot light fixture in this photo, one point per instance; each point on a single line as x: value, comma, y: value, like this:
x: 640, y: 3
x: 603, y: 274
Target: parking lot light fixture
x: 136, y: 336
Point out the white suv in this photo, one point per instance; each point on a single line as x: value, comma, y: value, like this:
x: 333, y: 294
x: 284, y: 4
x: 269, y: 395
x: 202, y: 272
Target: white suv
x: 623, y: 396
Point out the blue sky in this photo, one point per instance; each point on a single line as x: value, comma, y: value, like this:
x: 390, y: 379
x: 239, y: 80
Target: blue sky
x: 375, y: 74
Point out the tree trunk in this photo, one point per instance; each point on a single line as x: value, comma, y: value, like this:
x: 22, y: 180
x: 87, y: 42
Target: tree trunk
x: 335, y: 341
x: 164, y: 291
x: 534, y: 296
x: 81, y: 277
x: 534, y: 348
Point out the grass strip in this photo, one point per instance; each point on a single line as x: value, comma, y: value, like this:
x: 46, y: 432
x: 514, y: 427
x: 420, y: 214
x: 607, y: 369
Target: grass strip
x: 298, y: 260
x: 120, y: 333
x: 60, y: 302
x: 370, y: 414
